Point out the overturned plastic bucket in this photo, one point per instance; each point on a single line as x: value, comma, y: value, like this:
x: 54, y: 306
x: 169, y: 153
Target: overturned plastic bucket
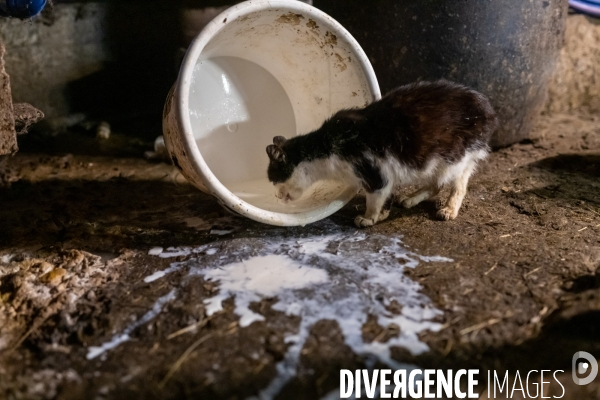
x: 258, y: 70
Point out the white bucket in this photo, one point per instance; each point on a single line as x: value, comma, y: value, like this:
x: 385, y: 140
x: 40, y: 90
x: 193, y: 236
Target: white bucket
x: 258, y: 70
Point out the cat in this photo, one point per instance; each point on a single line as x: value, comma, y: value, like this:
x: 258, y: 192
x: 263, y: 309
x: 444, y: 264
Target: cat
x: 429, y: 134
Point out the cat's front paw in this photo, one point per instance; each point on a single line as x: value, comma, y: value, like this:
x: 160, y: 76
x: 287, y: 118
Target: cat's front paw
x: 408, y: 202
x: 447, y: 213
x: 363, y: 222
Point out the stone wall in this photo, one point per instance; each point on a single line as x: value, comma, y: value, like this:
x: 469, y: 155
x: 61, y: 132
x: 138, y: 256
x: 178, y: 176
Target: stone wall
x: 45, y: 55
x: 576, y: 82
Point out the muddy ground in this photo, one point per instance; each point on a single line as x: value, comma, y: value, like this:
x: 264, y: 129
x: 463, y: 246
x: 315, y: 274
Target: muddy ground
x: 522, y: 291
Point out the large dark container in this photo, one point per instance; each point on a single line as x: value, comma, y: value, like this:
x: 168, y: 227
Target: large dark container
x: 506, y: 49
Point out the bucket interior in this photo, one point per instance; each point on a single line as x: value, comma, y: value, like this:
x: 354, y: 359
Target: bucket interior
x: 264, y: 74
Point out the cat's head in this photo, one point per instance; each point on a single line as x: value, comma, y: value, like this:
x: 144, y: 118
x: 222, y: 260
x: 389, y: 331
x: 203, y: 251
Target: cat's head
x: 290, y: 178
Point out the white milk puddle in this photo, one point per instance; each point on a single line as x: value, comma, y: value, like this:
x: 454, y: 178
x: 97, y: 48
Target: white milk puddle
x: 159, y: 274
x: 262, y: 276
x: 155, y: 251
x: 172, y: 252
x: 343, y: 277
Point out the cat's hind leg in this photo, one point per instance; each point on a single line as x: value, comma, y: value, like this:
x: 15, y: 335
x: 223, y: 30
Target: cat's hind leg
x: 379, y: 204
x: 420, y: 195
x: 458, y: 190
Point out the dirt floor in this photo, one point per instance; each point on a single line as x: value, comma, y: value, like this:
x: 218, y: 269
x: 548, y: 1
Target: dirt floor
x: 522, y: 291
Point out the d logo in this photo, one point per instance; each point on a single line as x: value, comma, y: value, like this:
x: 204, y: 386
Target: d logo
x: 578, y: 370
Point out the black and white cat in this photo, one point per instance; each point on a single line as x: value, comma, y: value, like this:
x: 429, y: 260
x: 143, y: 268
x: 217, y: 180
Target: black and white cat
x: 429, y: 134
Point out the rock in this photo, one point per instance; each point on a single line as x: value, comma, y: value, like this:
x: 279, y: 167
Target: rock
x: 103, y: 131
x: 15, y: 119
x: 8, y: 135
x: 160, y: 148
x: 25, y: 116
x: 73, y: 258
x: 160, y: 152
x: 44, y: 267
x: 54, y: 277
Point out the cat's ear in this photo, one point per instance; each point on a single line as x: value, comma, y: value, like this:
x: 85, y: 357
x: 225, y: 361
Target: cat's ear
x: 275, y: 153
x: 279, y: 141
